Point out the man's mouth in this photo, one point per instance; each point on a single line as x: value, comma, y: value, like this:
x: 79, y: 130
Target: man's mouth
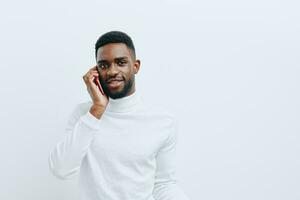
x: 114, y: 83
x: 117, y: 79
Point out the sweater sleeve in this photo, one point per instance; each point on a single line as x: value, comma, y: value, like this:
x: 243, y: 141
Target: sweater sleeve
x: 65, y: 158
x: 166, y: 186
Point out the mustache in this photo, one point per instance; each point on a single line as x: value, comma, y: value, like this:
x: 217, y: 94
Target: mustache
x: 118, y: 78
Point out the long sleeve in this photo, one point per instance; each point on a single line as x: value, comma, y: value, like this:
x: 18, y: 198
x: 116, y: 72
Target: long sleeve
x: 65, y: 158
x: 166, y: 187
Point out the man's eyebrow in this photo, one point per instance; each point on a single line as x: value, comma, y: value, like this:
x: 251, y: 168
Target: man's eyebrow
x: 101, y: 61
x: 121, y: 58
x: 118, y: 58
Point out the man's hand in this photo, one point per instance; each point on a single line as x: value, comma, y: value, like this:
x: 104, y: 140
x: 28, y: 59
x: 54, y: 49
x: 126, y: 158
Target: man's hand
x: 100, y: 100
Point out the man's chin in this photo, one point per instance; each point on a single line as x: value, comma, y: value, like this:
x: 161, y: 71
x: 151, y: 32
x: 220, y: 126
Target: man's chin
x: 119, y: 92
x: 116, y: 95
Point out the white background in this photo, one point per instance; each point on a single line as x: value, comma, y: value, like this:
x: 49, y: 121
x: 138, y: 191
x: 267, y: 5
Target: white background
x: 229, y: 70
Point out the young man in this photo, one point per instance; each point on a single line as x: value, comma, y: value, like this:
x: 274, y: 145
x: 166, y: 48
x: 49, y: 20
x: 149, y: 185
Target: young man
x: 121, y: 148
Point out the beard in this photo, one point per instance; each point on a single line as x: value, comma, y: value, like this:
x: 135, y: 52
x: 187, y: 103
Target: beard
x: 119, y: 94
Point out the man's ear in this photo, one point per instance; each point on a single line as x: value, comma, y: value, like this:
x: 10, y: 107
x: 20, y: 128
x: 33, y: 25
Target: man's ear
x: 136, y: 66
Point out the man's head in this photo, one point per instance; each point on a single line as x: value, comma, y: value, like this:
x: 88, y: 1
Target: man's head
x: 116, y: 60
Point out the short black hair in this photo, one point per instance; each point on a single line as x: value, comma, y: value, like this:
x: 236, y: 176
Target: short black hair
x: 115, y: 37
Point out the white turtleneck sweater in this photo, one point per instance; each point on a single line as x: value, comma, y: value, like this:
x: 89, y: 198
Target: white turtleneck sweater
x: 127, y: 154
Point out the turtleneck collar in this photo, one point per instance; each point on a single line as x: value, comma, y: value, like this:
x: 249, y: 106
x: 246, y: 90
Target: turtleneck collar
x: 124, y: 104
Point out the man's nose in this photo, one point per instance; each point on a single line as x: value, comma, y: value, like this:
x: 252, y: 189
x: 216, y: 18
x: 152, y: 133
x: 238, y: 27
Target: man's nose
x: 112, y: 70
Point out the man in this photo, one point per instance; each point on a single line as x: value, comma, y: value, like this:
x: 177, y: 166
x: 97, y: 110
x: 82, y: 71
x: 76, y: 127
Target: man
x: 121, y: 148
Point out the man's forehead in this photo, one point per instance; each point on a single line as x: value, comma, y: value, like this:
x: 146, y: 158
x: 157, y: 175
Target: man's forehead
x: 112, y: 51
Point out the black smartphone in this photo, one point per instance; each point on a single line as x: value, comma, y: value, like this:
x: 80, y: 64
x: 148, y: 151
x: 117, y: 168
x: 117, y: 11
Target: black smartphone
x: 97, y: 81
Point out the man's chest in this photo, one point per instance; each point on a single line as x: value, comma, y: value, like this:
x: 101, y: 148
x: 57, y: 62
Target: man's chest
x: 128, y: 140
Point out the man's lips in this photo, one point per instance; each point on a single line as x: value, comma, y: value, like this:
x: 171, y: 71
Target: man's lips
x: 110, y: 80
x: 115, y: 83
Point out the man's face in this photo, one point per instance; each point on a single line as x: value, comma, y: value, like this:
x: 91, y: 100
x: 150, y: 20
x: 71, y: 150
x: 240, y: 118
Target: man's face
x: 117, y: 69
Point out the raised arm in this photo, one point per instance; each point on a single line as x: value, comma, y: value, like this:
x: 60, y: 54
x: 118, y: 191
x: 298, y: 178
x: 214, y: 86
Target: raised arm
x: 65, y: 158
x: 83, y: 124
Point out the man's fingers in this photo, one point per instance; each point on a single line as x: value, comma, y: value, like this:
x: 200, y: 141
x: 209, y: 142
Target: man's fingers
x: 93, y: 69
x: 90, y: 75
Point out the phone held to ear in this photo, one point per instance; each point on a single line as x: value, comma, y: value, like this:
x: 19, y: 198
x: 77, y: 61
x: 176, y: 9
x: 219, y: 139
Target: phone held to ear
x: 96, y: 80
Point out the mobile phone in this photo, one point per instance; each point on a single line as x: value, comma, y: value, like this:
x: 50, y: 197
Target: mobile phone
x: 98, y: 83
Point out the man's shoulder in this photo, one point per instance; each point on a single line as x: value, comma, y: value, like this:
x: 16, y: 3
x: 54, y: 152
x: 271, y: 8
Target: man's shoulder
x: 82, y: 108
x: 78, y: 110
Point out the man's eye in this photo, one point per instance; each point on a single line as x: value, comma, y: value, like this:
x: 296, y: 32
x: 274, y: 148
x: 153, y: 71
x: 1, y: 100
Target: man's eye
x: 103, y: 65
x: 121, y: 62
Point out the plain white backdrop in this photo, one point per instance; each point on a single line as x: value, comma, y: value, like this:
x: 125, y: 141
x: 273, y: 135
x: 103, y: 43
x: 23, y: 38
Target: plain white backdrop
x: 228, y: 69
